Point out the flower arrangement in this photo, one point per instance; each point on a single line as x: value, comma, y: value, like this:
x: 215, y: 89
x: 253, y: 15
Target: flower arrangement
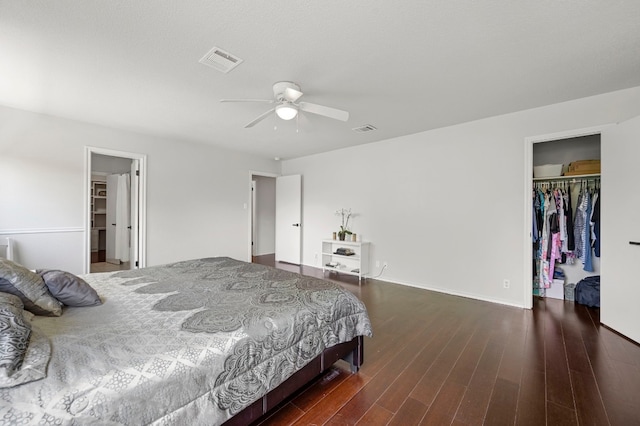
x: 344, y: 227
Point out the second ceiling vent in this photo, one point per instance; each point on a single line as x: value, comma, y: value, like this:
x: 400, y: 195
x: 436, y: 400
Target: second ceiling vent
x: 364, y: 128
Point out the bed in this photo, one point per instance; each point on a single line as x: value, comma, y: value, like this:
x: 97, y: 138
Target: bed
x: 203, y: 341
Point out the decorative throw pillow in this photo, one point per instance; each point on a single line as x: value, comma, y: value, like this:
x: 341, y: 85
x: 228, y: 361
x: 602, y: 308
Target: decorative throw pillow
x: 24, y: 354
x: 29, y: 287
x: 14, y: 334
x: 68, y: 288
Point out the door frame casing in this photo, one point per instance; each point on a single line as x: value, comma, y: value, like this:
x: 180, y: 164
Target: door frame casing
x: 253, y: 218
x: 142, y: 202
x: 528, y: 202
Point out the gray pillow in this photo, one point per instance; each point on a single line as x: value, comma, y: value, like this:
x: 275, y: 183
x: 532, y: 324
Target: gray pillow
x: 14, y: 337
x: 23, y: 355
x: 29, y: 287
x: 68, y: 288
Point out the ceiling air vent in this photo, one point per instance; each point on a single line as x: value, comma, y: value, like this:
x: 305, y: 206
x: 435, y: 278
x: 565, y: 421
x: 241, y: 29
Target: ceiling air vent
x: 365, y: 128
x: 220, y: 60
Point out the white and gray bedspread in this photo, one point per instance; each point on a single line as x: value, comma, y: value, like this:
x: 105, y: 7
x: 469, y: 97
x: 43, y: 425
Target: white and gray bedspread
x: 187, y: 343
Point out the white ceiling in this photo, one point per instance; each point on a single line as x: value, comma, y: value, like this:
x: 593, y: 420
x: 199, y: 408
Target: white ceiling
x: 402, y: 66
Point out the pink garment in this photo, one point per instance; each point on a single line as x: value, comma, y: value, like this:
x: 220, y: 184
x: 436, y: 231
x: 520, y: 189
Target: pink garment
x: 556, y: 244
x: 543, y: 275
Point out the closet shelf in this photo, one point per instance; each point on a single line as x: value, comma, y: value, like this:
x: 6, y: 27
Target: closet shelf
x: 574, y: 177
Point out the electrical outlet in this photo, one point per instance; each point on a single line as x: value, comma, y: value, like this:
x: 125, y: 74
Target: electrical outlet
x: 377, y: 263
x: 506, y: 283
x: 316, y: 256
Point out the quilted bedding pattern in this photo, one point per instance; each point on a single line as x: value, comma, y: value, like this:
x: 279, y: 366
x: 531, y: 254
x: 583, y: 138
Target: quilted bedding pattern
x: 191, y: 342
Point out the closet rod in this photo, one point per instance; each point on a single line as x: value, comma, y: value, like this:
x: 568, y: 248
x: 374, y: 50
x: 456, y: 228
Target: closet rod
x: 575, y: 177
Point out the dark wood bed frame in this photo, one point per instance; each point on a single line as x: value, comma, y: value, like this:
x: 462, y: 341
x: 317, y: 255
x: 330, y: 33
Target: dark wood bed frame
x: 352, y: 352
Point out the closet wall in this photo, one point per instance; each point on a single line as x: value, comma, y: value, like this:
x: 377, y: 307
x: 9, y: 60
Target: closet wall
x: 565, y: 151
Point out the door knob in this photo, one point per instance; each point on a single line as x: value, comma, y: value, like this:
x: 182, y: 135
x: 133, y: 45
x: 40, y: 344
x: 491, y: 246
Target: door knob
x: 296, y: 224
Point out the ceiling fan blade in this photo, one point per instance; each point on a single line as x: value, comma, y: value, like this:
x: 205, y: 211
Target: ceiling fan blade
x: 337, y: 114
x: 291, y: 94
x: 269, y: 101
x: 259, y: 118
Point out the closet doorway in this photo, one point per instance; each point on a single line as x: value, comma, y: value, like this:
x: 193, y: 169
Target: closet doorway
x: 563, y: 148
x: 116, y: 219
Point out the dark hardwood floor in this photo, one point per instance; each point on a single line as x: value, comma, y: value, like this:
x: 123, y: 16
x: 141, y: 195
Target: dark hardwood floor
x: 437, y: 359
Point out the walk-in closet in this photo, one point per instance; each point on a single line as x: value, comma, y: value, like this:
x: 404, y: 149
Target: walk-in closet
x: 566, y: 194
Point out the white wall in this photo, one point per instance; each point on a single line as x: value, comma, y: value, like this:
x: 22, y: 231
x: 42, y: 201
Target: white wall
x: 195, y: 193
x: 444, y: 208
x: 265, y: 239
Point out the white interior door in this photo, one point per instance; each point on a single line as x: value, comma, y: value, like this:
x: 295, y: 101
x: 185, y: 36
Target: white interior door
x: 112, y: 196
x: 288, y: 218
x: 135, y: 217
x: 620, y: 212
x: 123, y: 219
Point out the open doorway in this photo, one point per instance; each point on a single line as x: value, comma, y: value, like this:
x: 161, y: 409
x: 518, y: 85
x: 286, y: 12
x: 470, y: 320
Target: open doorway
x: 275, y: 218
x: 110, y: 213
x: 263, y: 216
x: 115, y: 210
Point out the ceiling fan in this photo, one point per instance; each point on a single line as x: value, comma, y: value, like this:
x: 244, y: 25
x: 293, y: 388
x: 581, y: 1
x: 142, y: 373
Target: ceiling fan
x: 285, y: 94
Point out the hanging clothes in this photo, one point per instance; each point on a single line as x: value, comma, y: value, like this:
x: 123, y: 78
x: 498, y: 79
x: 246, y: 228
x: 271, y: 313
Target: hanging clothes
x: 555, y: 229
x: 549, y: 209
x: 534, y: 221
x: 558, y: 236
x: 571, y: 242
x: 595, y: 217
x: 586, y: 243
x: 578, y: 225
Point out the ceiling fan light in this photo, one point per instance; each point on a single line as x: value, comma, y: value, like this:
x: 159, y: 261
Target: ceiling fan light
x: 286, y: 111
